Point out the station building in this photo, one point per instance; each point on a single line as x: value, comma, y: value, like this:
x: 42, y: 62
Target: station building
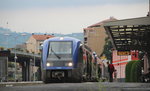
x: 34, y: 42
x: 94, y: 36
x: 121, y: 58
x: 130, y: 35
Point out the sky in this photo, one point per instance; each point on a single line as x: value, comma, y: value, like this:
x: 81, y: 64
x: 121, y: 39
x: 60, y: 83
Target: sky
x: 65, y: 16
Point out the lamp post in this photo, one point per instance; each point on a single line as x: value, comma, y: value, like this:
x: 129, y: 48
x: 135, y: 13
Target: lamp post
x: 15, y: 58
x: 34, y: 66
x: 15, y: 66
x: 34, y: 60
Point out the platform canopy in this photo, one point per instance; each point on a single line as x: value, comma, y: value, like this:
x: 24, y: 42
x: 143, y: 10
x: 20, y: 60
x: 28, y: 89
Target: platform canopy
x: 130, y: 34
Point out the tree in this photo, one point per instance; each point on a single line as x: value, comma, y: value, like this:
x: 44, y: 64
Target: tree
x: 128, y: 71
x: 107, y: 49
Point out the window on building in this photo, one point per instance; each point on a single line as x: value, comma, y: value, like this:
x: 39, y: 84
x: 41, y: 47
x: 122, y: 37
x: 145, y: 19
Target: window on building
x: 92, y: 31
x: 85, y: 38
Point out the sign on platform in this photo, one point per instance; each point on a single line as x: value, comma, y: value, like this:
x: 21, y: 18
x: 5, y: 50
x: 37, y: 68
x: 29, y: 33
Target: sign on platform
x: 123, y: 53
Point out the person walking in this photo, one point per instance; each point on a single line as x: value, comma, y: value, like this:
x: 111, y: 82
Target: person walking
x: 110, y: 71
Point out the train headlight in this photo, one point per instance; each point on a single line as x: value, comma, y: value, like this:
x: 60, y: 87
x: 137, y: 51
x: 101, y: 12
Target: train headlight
x: 48, y: 64
x: 70, y: 64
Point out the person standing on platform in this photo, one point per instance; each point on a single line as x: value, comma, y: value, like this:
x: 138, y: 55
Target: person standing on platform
x: 110, y: 71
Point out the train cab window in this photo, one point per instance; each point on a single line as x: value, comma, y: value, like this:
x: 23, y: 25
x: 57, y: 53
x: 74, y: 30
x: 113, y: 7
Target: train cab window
x: 60, y: 48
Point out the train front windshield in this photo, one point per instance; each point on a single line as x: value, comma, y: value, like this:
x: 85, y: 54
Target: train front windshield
x: 60, y: 50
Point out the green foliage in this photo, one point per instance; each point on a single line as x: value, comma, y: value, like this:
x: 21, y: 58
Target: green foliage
x: 107, y: 49
x: 133, y: 71
x: 136, y: 71
x: 128, y: 71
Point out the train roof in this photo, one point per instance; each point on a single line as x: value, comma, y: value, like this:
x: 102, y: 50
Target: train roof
x: 63, y: 39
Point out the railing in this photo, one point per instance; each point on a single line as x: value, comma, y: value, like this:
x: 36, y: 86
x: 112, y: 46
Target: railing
x: 24, y: 53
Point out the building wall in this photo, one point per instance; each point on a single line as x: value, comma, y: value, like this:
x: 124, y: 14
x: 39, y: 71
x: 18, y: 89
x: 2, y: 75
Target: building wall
x: 38, y: 45
x: 146, y: 64
x: 95, y: 38
x: 120, y: 61
x: 32, y: 45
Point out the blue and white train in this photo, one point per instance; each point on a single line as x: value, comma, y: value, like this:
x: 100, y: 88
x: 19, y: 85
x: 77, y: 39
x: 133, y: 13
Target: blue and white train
x: 66, y: 59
